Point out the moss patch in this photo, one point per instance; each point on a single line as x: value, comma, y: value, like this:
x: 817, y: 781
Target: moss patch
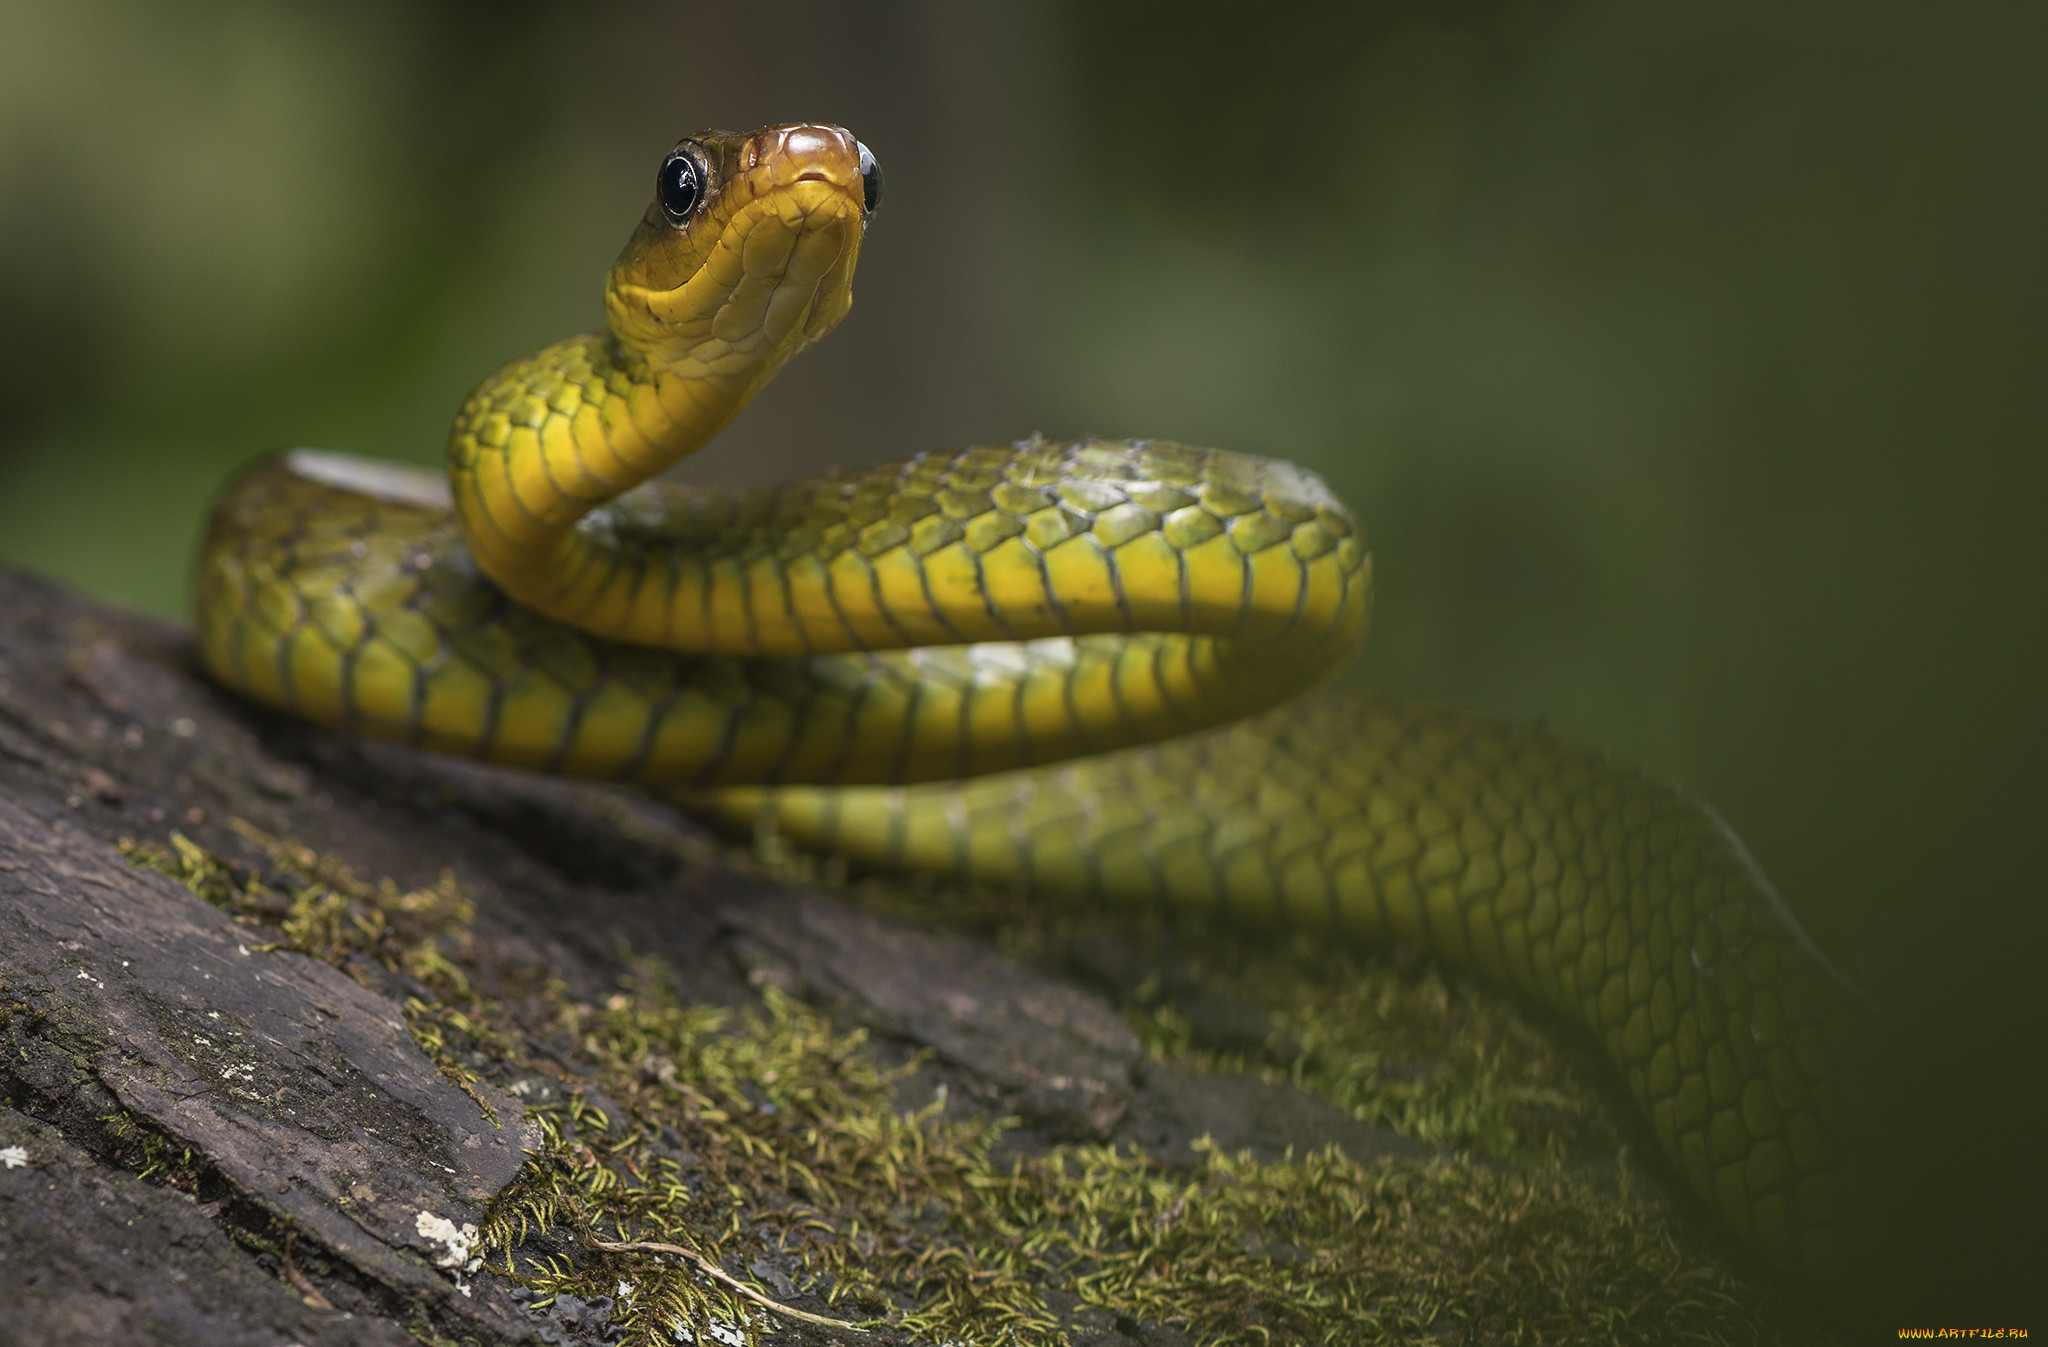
x: 319, y: 908
x: 1391, y: 1038
x: 774, y: 1146
x: 146, y: 1151
x: 1408, y: 1048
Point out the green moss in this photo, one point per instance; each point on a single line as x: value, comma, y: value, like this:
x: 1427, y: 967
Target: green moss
x: 768, y: 1140
x: 773, y: 1146
x: 149, y: 1152
x: 1430, y: 1056
x: 1390, y: 1038
x: 319, y: 908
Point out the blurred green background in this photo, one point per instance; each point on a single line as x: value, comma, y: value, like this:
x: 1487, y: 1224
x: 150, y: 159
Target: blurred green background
x: 1683, y: 361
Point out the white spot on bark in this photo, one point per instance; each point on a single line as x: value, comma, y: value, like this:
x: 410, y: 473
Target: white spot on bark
x: 458, y: 1242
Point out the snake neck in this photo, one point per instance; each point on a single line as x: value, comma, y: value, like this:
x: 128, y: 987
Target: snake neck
x: 553, y: 435
x: 712, y: 294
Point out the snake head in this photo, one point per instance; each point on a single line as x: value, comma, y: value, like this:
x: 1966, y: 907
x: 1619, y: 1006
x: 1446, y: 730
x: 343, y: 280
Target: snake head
x: 745, y: 255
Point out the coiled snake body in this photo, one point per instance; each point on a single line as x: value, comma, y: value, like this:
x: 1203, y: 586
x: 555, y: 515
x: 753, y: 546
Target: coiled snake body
x: 839, y: 654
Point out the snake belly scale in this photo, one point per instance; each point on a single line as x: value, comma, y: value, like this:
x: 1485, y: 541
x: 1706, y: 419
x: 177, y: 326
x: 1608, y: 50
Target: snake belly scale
x: 1087, y: 668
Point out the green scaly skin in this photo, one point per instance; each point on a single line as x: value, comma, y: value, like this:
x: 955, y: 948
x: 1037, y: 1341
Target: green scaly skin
x: 887, y: 631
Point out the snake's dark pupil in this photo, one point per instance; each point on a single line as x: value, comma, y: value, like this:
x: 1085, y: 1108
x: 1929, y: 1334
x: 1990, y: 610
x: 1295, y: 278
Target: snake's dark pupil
x: 680, y: 185
x: 870, y: 177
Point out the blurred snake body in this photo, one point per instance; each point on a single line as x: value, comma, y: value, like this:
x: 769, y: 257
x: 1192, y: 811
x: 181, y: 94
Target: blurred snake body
x: 1083, y: 667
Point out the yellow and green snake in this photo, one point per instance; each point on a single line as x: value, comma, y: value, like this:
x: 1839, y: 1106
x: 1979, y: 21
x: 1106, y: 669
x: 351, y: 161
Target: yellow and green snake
x: 1080, y: 667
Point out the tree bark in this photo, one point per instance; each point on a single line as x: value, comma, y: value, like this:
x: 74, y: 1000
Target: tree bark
x: 298, y: 1149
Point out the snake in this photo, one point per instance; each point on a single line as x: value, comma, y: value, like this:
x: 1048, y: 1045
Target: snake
x: 1092, y: 668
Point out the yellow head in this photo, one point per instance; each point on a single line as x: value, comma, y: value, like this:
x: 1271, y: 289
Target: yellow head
x: 744, y: 257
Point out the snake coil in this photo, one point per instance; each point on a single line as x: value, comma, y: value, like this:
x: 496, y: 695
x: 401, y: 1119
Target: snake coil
x: 1081, y: 667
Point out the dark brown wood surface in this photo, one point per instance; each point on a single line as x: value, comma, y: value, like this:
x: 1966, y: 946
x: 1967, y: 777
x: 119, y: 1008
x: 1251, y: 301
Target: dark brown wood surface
x: 300, y: 1131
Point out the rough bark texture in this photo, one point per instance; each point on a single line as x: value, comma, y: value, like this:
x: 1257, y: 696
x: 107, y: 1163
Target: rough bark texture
x: 305, y: 1136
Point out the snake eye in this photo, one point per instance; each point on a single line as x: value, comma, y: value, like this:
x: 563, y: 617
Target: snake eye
x: 870, y: 178
x: 679, y: 185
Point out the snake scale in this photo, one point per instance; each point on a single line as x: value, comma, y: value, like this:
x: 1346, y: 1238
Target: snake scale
x: 1086, y: 668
